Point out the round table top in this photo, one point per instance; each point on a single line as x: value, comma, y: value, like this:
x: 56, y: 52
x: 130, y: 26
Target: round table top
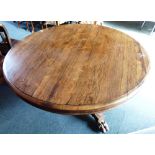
x: 76, y: 69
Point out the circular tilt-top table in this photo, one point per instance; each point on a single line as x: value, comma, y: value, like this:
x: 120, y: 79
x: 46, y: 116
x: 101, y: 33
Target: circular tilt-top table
x: 76, y: 69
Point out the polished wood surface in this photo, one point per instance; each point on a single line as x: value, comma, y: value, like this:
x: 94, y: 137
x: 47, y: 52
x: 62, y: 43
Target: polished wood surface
x: 76, y: 69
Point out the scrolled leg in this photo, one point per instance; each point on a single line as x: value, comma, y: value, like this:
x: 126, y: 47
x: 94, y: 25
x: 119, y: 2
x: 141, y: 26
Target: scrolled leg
x: 102, y: 124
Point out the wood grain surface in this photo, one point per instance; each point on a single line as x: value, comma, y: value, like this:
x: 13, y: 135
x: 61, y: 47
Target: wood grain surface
x: 76, y: 69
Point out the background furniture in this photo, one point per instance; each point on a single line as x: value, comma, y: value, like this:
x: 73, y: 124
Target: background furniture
x: 57, y: 23
x: 27, y: 25
x: 34, y: 26
x: 92, y: 22
x: 5, y: 45
x: 5, y: 41
x: 153, y: 28
x: 51, y: 23
x: 1, y: 71
x: 39, y: 25
x: 82, y: 69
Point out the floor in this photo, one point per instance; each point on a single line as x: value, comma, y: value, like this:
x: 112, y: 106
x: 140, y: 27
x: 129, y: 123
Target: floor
x: 16, y: 116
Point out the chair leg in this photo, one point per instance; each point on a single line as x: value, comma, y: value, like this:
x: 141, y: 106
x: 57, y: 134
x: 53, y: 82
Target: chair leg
x: 27, y: 25
x: 18, y: 24
x: 1, y: 79
x: 57, y: 23
x: 153, y: 28
x: 32, y: 26
x: 42, y: 27
x: 95, y: 22
x: 142, y: 24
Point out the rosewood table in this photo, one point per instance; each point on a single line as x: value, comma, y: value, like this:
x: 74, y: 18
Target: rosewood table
x: 76, y: 69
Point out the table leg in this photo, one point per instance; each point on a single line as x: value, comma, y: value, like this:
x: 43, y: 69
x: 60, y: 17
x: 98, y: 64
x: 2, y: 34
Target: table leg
x: 32, y: 26
x: 27, y: 25
x: 102, y: 124
x: 18, y: 24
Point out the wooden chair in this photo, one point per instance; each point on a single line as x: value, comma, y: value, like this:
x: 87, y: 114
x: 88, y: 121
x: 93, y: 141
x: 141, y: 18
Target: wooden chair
x: 5, y: 45
x: 27, y: 25
x: 57, y: 23
x: 5, y: 41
